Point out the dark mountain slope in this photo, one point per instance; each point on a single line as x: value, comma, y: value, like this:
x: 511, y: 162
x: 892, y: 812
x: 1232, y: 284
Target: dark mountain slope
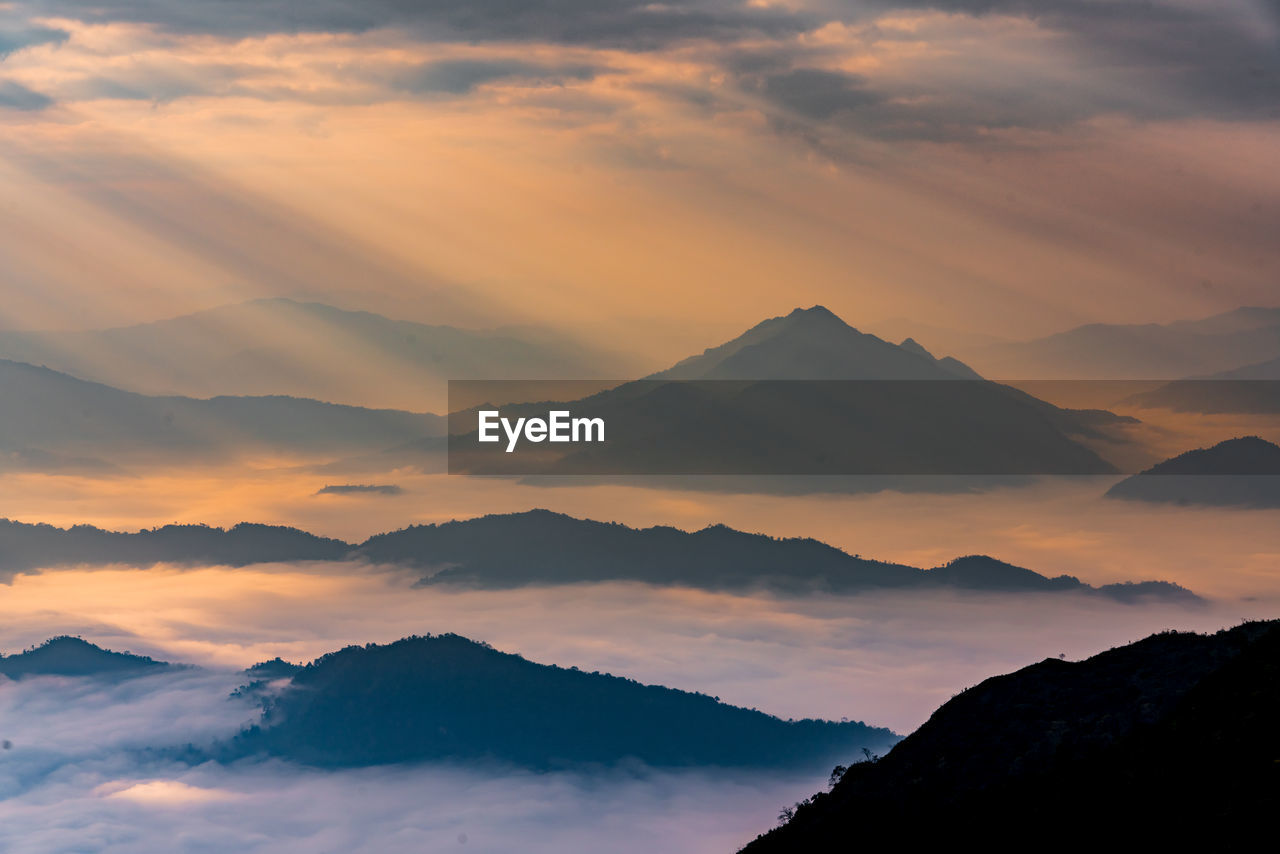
x: 806, y: 394
x: 45, y: 411
x: 24, y: 546
x: 1172, y: 737
x: 1242, y: 472
x: 447, y: 697
x: 68, y: 656
x: 541, y: 547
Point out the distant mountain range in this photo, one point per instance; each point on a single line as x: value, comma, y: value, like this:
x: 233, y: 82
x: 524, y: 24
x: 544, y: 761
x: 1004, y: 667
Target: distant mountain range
x: 808, y: 394
x: 1238, y: 472
x: 539, y: 547
x: 25, y: 546
x: 50, y: 420
x: 1148, y: 351
x: 1250, y: 389
x: 68, y: 656
x: 306, y: 349
x: 1169, y: 742
x: 447, y: 697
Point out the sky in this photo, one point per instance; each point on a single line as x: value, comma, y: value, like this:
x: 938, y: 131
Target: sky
x: 648, y: 178
x: 664, y: 174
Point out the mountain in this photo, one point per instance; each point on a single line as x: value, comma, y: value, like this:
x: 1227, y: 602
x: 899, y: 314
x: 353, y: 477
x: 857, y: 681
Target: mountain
x: 1171, y: 738
x: 1147, y: 351
x: 54, y: 417
x: 447, y: 697
x: 1237, y: 472
x: 305, y: 349
x: 68, y: 656
x: 25, y: 546
x: 1250, y: 389
x: 807, y: 394
x: 275, y: 668
x: 813, y: 344
x: 541, y: 547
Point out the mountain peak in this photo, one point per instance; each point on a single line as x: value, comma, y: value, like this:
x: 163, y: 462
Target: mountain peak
x: 814, y: 344
x: 72, y: 656
x: 816, y: 312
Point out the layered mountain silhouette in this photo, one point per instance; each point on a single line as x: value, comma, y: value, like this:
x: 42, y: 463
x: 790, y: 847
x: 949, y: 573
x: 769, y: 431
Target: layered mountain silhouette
x: 807, y: 394
x: 814, y: 344
x: 55, y: 419
x: 1238, y: 472
x: 447, y: 697
x: 539, y: 547
x: 70, y: 656
x: 1146, y: 351
x: 305, y: 349
x: 1170, y: 738
x: 26, y: 546
x: 1250, y: 389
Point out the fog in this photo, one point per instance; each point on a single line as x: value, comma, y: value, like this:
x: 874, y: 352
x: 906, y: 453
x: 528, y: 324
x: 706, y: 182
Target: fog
x: 887, y: 659
x: 72, y: 779
x: 1061, y: 525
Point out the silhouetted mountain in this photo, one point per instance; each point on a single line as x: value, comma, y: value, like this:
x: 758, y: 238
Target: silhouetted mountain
x: 275, y: 668
x: 1268, y: 370
x: 68, y: 656
x: 1243, y: 472
x: 46, y: 412
x: 1146, y: 351
x: 24, y: 546
x: 1169, y: 738
x: 808, y: 394
x: 446, y: 697
x: 305, y: 349
x: 541, y: 547
x: 814, y: 344
x: 1251, y: 389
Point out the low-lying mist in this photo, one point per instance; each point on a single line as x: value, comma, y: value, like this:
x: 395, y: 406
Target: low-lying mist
x: 73, y: 778
x: 888, y: 659
x: 1062, y: 525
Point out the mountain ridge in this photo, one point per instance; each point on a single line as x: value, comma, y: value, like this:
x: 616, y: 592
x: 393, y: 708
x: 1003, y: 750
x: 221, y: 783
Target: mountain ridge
x: 448, y: 697
x: 1243, y: 472
x: 541, y: 547
x: 1136, y: 739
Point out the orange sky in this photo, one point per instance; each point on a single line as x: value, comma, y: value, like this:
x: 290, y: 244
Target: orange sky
x: 977, y: 172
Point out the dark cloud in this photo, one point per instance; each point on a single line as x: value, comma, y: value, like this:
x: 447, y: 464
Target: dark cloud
x: 629, y: 23
x: 1143, y: 60
x: 460, y: 76
x: 819, y: 94
x: 15, y: 96
x: 25, y: 37
x: 1215, y: 60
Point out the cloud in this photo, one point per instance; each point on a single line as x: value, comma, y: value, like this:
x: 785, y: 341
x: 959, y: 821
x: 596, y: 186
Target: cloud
x: 828, y: 73
x: 15, y: 96
x: 461, y: 76
x: 615, y: 23
x: 22, y: 37
x: 887, y: 659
